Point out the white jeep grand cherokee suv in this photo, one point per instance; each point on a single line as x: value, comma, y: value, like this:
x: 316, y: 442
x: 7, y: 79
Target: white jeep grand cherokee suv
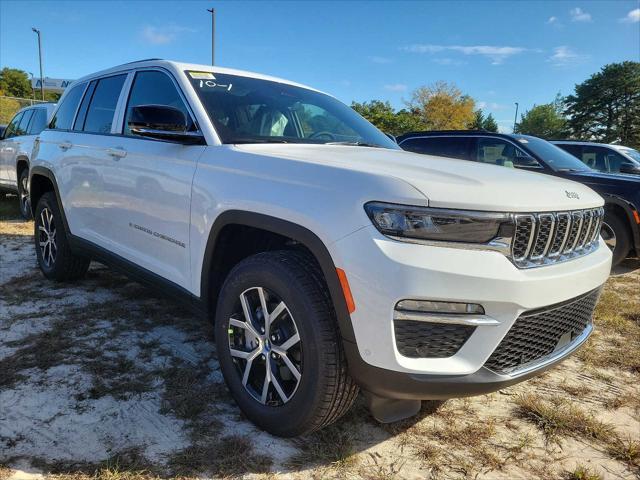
x: 329, y: 259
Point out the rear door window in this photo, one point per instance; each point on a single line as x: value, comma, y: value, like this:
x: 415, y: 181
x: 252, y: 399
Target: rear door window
x: 38, y: 121
x: 63, y: 119
x: 23, y: 127
x: 102, y: 107
x: 451, y: 147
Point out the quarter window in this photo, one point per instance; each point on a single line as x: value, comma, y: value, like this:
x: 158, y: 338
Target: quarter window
x: 63, y: 118
x: 154, y: 88
x: 103, y: 105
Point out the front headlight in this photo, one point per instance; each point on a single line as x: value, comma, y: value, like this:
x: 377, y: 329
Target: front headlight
x: 422, y: 223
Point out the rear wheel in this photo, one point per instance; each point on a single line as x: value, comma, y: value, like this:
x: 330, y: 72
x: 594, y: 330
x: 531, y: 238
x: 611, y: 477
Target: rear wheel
x: 279, y: 346
x: 615, y: 234
x: 23, y: 194
x: 55, y: 258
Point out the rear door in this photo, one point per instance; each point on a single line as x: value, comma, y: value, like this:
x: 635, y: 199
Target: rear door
x: 8, y: 148
x: 22, y: 145
x: 148, y: 197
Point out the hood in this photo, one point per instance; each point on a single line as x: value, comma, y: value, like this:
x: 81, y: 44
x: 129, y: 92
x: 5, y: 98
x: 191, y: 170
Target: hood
x: 446, y: 183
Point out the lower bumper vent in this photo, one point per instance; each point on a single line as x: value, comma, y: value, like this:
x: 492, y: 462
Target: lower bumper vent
x: 416, y: 339
x: 537, y: 334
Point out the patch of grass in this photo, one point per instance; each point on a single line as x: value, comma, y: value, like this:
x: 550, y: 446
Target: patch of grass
x: 118, y: 376
x: 625, y: 450
x: 332, y: 445
x: 560, y: 417
x: 574, y: 390
x: 582, y: 473
x: 229, y: 456
x: 629, y: 400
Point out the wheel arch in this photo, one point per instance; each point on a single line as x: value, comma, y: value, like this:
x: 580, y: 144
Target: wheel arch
x: 42, y: 180
x: 626, y: 211
x: 211, y: 280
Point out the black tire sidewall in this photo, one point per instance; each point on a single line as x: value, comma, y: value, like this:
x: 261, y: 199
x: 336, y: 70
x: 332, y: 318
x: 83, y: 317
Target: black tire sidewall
x: 623, y: 241
x: 290, y: 418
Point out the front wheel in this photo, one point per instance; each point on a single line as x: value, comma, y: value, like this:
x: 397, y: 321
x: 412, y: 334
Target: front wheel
x: 55, y: 258
x: 279, y: 347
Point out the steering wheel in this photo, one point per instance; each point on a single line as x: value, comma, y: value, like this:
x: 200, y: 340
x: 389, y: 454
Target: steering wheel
x: 322, y: 135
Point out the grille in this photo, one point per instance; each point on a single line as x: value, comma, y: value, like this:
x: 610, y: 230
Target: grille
x: 429, y: 340
x: 535, y: 335
x: 542, y: 238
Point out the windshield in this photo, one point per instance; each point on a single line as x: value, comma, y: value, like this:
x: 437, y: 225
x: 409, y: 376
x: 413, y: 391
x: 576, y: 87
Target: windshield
x: 551, y: 154
x: 630, y: 152
x: 251, y: 110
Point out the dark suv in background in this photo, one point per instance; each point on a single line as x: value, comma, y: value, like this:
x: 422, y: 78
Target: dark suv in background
x: 621, y: 227
x: 603, y: 157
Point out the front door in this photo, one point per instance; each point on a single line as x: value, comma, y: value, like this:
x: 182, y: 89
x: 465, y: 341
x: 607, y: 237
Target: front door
x: 148, y: 198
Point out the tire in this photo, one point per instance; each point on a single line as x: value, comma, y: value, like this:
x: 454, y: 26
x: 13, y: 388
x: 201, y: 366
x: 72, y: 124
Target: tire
x: 324, y: 391
x: 616, y: 234
x: 55, y: 258
x: 23, y: 195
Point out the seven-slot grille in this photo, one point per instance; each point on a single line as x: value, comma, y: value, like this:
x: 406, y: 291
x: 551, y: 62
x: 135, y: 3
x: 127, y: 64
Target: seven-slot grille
x: 542, y: 238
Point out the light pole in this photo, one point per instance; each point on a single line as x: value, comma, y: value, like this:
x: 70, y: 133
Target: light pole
x: 40, y: 56
x: 515, y: 119
x: 213, y: 34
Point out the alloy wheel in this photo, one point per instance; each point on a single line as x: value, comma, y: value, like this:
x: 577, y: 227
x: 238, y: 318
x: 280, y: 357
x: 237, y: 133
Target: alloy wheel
x: 24, y: 194
x: 609, y: 236
x: 265, y: 346
x: 47, y: 237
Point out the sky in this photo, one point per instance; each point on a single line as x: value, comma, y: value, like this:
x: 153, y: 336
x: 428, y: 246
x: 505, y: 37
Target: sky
x: 499, y: 52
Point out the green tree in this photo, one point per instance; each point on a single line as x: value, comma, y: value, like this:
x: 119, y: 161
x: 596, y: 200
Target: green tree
x: 15, y: 83
x: 478, y: 120
x: 544, y: 121
x: 384, y: 116
x: 606, y: 106
x: 490, y: 124
x: 442, y: 106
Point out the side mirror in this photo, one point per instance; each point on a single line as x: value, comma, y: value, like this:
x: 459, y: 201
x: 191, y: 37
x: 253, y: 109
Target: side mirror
x: 527, y: 162
x: 162, y: 122
x: 628, y: 167
x: 392, y: 137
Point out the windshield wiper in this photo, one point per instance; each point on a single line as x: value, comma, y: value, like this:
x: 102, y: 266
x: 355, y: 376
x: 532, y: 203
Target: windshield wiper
x: 356, y: 144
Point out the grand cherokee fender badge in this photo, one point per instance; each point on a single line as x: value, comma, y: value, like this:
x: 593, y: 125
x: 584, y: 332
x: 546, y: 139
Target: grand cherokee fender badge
x: 572, y: 195
x: 157, y: 235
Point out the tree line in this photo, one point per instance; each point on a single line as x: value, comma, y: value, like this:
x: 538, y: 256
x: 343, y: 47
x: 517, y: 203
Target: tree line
x: 604, y: 108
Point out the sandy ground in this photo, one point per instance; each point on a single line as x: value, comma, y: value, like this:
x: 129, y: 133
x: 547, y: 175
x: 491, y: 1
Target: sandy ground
x: 104, y: 379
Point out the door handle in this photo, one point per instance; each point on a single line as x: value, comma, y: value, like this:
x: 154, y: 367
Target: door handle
x: 65, y: 145
x: 117, y: 153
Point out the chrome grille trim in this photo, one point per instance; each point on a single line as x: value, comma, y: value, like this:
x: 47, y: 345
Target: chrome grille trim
x: 553, y: 237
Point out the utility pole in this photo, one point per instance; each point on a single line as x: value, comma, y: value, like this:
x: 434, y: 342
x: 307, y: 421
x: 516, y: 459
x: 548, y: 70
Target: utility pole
x: 213, y: 34
x: 515, y: 119
x: 40, y: 55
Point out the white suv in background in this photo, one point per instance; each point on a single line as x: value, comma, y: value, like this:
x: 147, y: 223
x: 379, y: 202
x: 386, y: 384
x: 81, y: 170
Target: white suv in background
x: 329, y: 259
x: 16, y: 144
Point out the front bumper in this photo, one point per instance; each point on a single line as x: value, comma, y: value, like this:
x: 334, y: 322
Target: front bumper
x: 381, y: 272
x: 412, y: 386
